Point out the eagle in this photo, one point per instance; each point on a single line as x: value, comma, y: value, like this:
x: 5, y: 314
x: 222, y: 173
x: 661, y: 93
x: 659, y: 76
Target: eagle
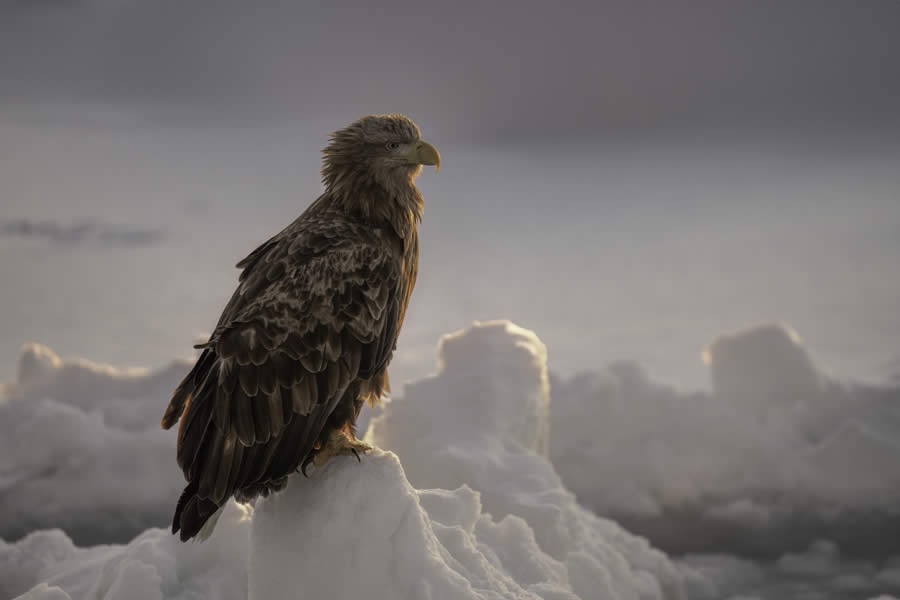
x: 309, y: 332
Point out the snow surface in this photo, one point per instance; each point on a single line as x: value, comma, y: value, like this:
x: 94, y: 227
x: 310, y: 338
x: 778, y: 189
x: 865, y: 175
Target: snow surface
x: 490, y: 518
x: 777, y: 455
x: 383, y: 539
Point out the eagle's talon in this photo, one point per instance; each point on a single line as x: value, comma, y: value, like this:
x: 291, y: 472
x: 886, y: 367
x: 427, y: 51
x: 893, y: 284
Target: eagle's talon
x: 341, y: 442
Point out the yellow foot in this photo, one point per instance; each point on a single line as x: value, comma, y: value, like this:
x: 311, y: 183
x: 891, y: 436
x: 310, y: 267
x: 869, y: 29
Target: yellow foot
x: 341, y: 443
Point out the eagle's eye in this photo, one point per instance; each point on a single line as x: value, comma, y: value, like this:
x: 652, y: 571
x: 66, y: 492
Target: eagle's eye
x: 392, y: 146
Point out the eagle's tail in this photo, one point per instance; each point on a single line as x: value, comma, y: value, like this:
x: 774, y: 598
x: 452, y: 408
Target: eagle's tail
x: 192, y: 512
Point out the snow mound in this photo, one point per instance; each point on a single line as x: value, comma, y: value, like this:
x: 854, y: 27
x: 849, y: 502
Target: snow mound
x: 360, y: 530
x: 81, y: 449
x: 492, y: 382
x: 777, y: 455
x: 153, y: 566
x: 448, y: 432
x: 507, y: 392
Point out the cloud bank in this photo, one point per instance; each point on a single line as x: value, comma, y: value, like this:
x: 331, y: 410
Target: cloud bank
x: 81, y: 449
x: 498, y: 523
x: 155, y: 565
x: 775, y: 456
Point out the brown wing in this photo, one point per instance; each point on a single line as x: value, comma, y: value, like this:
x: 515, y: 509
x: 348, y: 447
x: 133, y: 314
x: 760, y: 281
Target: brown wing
x: 315, y: 313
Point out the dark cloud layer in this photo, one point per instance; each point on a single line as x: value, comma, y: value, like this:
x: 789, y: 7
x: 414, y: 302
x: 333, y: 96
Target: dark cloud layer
x: 475, y: 70
x: 75, y: 233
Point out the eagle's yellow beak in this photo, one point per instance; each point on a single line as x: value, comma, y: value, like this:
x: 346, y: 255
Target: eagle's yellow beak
x: 423, y: 153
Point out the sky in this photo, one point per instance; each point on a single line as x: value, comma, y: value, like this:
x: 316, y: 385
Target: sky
x: 470, y: 71
x: 638, y: 171
x: 630, y: 179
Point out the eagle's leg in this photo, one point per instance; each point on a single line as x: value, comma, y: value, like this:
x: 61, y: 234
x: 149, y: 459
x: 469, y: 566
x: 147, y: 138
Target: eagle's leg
x: 341, y: 442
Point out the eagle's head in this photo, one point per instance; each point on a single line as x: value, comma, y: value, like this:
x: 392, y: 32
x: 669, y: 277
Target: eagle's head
x: 377, y: 150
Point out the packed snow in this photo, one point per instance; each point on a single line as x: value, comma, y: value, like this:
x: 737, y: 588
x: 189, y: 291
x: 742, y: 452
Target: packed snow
x: 775, y: 456
x: 462, y: 502
x: 384, y: 539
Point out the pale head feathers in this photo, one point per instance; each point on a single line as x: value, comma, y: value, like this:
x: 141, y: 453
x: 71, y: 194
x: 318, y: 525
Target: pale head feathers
x: 361, y: 172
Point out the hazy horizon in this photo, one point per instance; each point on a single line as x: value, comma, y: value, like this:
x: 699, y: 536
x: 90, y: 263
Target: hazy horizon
x: 621, y: 249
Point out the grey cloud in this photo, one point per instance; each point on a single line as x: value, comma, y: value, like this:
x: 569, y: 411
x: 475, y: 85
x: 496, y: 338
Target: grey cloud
x: 154, y: 565
x: 484, y: 71
x: 75, y: 233
x: 777, y: 455
x: 82, y: 449
x: 817, y: 571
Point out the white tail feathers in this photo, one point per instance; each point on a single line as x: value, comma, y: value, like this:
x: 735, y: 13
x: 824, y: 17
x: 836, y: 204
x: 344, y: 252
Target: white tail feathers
x: 209, y: 526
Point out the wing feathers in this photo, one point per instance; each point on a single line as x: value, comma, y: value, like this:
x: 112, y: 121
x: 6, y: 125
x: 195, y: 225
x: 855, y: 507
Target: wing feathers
x: 301, y: 400
x: 333, y: 374
x: 249, y: 378
x: 266, y: 378
x: 223, y: 411
x: 313, y: 362
x: 352, y: 359
x: 275, y: 411
x: 310, y: 320
x: 193, y: 423
x: 261, y: 419
x: 212, y: 457
x: 242, y: 417
x: 287, y: 406
x: 231, y: 484
x: 185, y: 389
x: 229, y: 454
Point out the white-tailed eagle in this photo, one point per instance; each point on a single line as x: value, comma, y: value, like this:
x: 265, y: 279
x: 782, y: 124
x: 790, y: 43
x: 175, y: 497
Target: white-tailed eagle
x: 307, y: 336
